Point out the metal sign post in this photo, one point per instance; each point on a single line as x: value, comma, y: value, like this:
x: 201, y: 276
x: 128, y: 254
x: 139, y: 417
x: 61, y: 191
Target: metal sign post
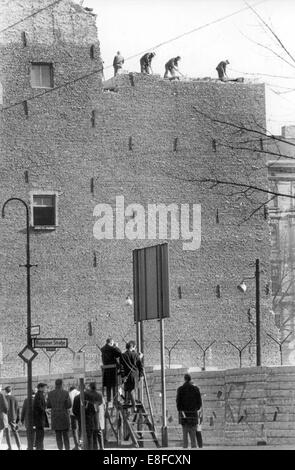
x: 151, y: 301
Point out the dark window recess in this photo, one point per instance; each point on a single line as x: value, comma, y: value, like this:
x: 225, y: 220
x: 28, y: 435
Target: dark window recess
x: 26, y: 108
x: 267, y: 289
x: 41, y: 75
x: 218, y: 291
x: 175, y: 144
x: 93, y: 118
x: 179, y: 292
x: 44, y: 211
x: 92, y: 185
x: 24, y: 39
x: 265, y: 212
x: 92, y: 50
x: 90, y: 329
x: 217, y: 216
x: 94, y: 260
x: 130, y: 143
x: 214, y: 145
x: 261, y: 143
x: 131, y: 78
x: 26, y: 176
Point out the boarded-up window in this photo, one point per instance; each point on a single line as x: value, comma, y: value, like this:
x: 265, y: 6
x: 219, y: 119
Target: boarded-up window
x: 44, y: 210
x: 41, y: 75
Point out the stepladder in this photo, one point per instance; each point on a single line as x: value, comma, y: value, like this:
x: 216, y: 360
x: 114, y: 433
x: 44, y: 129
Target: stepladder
x: 128, y: 424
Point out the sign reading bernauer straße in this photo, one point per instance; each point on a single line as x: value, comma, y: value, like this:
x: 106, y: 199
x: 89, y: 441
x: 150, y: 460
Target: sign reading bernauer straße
x: 50, y: 342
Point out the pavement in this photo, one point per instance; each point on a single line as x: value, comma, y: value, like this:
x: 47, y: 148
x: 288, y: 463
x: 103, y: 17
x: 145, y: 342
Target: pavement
x: 50, y: 444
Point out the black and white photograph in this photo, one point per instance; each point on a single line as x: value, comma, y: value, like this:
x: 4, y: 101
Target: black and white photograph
x: 147, y: 242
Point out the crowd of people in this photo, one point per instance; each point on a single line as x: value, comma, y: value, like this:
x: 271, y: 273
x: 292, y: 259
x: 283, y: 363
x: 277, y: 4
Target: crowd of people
x: 122, y: 372
x: 171, y: 67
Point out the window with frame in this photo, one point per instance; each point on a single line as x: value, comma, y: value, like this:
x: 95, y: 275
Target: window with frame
x: 44, y: 210
x: 41, y: 75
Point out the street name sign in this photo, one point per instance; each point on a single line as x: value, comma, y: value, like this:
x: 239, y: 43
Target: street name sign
x: 50, y: 343
x: 35, y: 330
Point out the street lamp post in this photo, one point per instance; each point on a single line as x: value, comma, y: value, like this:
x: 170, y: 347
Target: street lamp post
x: 28, y: 266
x: 258, y: 335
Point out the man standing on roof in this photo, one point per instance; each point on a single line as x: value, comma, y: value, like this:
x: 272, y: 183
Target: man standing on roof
x: 221, y: 70
x: 118, y: 63
x: 172, y: 66
x: 146, y: 63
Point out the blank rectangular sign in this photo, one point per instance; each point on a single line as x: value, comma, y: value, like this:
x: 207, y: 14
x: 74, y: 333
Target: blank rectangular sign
x: 151, y: 283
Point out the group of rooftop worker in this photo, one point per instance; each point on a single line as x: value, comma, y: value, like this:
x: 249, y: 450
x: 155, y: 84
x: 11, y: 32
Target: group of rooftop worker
x: 171, y: 67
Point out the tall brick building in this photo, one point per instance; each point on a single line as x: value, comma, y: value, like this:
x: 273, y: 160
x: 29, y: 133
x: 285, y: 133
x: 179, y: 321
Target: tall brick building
x: 67, y: 147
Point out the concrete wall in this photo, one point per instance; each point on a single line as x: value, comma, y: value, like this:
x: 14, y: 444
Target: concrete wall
x: 241, y: 406
x: 89, y: 161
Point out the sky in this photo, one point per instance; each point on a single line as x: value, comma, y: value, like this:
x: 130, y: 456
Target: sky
x: 138, y: 26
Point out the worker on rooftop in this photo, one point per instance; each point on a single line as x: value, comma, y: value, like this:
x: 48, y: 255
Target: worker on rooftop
x: 118, y: 63
x: 172, y: 67
x: 146, y: 63
x: 221, y: 70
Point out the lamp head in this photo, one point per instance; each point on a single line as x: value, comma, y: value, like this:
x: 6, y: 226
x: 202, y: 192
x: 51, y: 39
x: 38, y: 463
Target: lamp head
x: 242, y: 287
x: 129, y: 301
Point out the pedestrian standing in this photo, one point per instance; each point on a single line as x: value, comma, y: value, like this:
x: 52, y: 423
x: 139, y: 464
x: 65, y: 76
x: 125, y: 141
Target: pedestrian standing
x: 75, y: 423
x: 13, y: 419
x: 118, y: 63
x: 94, y: 414
x: 131, y: 372
x: 188, y: 401
x: 3, y: 413
x: 221, y: 70
x: 24, y: 418
x: 40, y: 419
x: 172, y: 66
x: 60, y: 404
x: 110, y: 353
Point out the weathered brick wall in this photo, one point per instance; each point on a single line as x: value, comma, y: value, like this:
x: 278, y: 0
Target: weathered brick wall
x: 62, y: 151
x: 241, y: 406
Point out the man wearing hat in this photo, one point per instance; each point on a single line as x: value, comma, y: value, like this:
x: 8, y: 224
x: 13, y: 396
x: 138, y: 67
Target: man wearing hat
x: 221, y: 70
x: 146, y: 63
x: 172, y: 67
x: 40, y: 418
x: 13, y: 419
x: 24, y: 416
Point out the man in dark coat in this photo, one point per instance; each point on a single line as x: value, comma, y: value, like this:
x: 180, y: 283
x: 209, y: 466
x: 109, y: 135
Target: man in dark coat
x: 3, y: 413
x: 60, y: 403
x: 24, y: 417
x: 131, y: 372
x: 13, y: 419
x: 40, y: 419
x: 109, y: 355
x: 146, y: 62
x: 221, y: 70
x: 188, y: 403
